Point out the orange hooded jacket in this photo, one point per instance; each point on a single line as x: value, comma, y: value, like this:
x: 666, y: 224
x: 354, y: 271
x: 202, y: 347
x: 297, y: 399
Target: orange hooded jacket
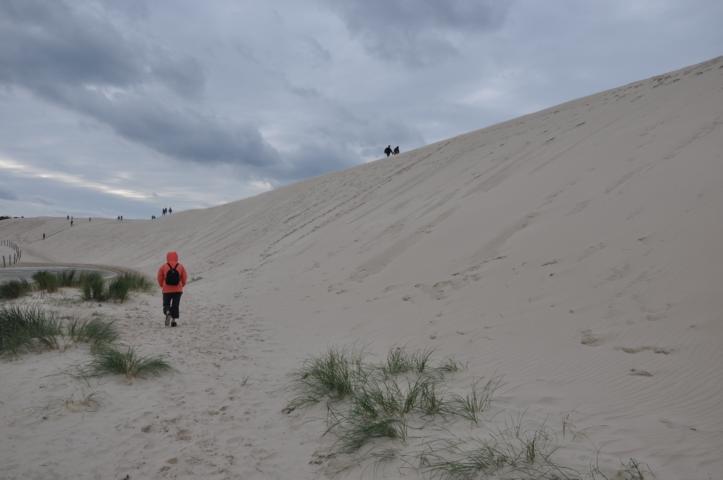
x: 172, y: 259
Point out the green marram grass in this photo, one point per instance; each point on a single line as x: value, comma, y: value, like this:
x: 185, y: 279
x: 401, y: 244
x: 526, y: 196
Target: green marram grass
x: 27, y: 328
x: 92, y: 286
x: 118, y: 290
x: 367, y: 400
x: 15, y: 289
x: 136, y: 282
x: 477, y: 401
x: 111, y: 361
x: 68, y: 278
x: 400, y: 361
x: 514, y: 453
x: 333, y: 375
x: 96, y: 332
x: 46, y: 281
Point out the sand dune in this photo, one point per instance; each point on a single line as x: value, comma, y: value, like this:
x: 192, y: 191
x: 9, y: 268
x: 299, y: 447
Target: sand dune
x: 575, y: 251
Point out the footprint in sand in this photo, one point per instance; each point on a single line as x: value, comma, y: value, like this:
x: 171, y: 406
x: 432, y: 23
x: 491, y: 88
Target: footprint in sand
x: 659, y: 350
x: 640, y: 372
x: 591, y: 339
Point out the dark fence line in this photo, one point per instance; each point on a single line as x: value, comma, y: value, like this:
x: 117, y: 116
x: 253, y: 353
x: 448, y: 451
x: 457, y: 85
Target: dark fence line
x: 13, y: 258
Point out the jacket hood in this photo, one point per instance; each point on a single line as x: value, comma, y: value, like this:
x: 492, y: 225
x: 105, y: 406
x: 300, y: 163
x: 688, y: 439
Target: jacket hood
x: 172, y: 258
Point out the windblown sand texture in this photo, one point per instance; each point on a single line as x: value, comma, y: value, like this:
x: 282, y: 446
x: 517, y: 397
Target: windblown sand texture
x: 577, y: 252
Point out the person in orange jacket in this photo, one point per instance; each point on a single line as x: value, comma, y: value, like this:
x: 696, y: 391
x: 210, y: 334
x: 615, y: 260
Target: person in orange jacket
x: 172, y: 278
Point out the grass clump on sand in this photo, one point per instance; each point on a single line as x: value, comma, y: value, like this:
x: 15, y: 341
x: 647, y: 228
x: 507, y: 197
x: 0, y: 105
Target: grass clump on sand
x: 25, y: 328
x: 473, y: 404
x: 96, y: 332
x: 67, y: 278
x: 331, y: 375
x: 92, y: 286
x: 405, y: 400
x: 367, y: 401
x: 31, y: 327
x: 514, y: 451
x: 136, y: 282
x: 14, y: 289
x: 400, y: 361
x: 118, y: 289
x: 111, y: 361
x: 46, y: 281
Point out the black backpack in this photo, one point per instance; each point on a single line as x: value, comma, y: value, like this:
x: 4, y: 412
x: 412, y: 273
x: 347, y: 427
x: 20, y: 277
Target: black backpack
x: 172, y: 275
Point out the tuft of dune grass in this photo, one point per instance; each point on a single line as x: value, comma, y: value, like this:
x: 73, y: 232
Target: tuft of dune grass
x: 67, y: 278
x: 111, y: 361
x: 14, y: 289
x: 96, y: 332
x: 46, y: 281
x: 92, y: 286
x: 26, y: 328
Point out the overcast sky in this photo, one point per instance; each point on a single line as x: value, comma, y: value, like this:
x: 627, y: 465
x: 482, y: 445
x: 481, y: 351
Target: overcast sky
x: 112, y: 107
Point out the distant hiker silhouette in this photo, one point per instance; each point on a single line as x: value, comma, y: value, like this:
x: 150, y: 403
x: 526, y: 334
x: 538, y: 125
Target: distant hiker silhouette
x: 388, y: 150
x: 171, y: 278
x: 396, y: 150
x: 170, y: 210
x: 164, y: 211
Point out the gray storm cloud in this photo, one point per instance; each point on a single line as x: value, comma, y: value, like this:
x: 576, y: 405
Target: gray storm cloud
x: 417, y: 33
x: 76, y: 58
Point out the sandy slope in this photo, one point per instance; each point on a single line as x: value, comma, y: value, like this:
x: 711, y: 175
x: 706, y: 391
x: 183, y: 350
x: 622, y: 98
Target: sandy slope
x: 575, y: 251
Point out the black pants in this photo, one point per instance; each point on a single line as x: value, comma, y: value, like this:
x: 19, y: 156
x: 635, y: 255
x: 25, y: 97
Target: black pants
x: 170, y: 303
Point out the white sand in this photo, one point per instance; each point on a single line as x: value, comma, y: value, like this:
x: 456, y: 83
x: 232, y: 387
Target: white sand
x: 577, y: 252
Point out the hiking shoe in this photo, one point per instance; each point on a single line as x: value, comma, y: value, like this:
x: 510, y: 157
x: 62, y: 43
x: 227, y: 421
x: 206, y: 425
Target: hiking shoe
x: 168, y: 319
x: 174, y: 324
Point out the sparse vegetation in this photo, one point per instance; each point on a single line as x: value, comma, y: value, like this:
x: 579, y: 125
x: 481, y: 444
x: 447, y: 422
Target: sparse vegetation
x: 92, y: 286
x: 136, y: 282
x: 118, y: 289
x: 368, y: 401
x: 630, y: 470
x: 31, y: 327
x: 513, y: 452
x: 409, y: 392
x: 67, y: 278
x: 111, y: 361
x: 331, y: 375
x: 471, y: 405
x: 15, y: 289
x: 25, y: 328
x: 400, y: 361
x: 46, y: 281
x: 96, y: 332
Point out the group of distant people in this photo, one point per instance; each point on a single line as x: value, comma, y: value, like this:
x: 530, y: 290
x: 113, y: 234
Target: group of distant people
x: 167, y: 210
x: 390, y: 151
